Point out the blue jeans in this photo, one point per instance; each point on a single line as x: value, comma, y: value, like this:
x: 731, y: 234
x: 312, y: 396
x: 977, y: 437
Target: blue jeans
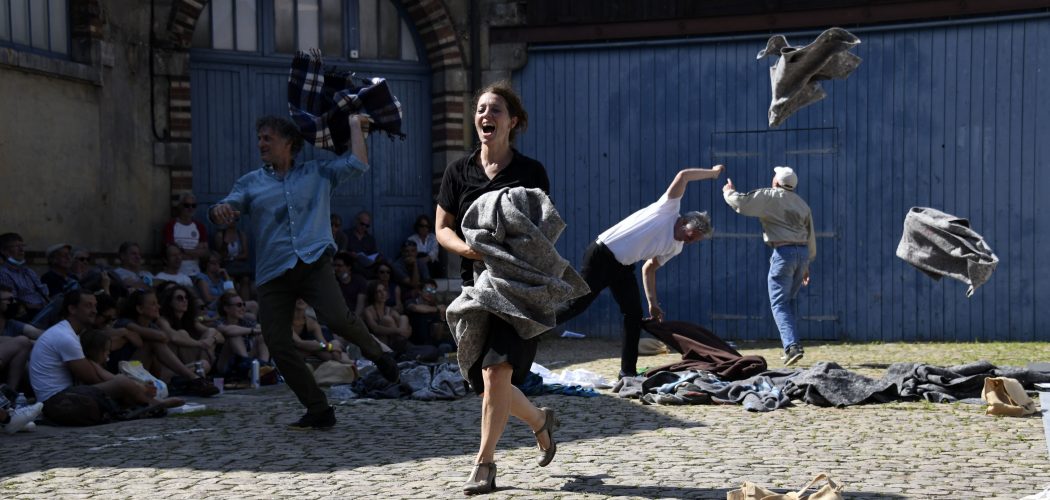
x: 787, y: 267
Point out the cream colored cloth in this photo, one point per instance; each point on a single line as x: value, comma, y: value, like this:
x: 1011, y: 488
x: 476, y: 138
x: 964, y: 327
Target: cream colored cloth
x: 1006, y: 396
x: 752, y: 491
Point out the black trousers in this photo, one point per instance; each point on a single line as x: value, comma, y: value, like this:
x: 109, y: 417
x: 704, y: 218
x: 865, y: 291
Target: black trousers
x: 601, y: 270
x: 315, y: 283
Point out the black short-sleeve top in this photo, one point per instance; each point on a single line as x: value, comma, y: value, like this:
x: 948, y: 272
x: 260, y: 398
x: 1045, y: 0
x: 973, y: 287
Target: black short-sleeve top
x: 465, y: 181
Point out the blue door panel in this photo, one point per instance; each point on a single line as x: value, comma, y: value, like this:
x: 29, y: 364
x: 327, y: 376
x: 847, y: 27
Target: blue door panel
x: 944, y: 115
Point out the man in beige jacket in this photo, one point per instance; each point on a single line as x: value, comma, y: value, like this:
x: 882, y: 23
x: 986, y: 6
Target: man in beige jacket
x: 787, y: 227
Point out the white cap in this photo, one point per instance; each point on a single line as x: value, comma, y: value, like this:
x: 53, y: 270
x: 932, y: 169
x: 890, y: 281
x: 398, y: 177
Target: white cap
x: 786, y: 177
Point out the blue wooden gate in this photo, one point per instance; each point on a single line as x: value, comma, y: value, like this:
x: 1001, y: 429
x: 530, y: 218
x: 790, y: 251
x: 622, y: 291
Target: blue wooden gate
x: 944, y: 115
x: 230, y: 92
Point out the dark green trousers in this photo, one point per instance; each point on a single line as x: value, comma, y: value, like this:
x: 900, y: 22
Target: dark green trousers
x: 315, y: 283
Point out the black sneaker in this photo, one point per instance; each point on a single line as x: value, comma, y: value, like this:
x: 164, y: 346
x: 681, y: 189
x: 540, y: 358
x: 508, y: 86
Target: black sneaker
x: 201, y: 387
x: 387, y: 367
x: 323, y: 420
x: 792, y: 354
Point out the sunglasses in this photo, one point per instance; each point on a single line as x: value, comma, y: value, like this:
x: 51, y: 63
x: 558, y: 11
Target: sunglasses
x: 189, y: 205
x: 82, y: 259
x: 383, y: 271
x: 180, y: 298
x: 364, y: 224
x: 235, y: 304
x: 7, y: 299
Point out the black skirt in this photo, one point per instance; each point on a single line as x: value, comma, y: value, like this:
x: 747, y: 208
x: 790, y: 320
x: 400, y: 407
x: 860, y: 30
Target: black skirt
x: 503, y: 345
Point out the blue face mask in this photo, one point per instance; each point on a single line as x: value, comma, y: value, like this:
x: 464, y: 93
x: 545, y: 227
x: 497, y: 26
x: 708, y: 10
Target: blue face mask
x: 16, y: 262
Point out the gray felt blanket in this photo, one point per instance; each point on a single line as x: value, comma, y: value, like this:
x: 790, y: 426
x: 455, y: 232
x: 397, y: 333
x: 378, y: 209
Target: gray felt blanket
x: 523, y: 279
x: 796, y: 74
x: 941, y: 244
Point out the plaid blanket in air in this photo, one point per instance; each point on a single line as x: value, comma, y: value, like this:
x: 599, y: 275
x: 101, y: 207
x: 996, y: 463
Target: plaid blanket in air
x: 321, y: 100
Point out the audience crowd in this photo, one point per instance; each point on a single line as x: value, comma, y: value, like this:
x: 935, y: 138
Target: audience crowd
x: 91, y: 330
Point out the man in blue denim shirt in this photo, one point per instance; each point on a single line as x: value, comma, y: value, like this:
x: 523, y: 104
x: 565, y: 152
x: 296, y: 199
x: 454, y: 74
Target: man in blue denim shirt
x: 290, y: 204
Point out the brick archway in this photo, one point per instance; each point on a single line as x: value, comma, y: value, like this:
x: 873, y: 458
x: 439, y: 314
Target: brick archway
x: 444, y: 53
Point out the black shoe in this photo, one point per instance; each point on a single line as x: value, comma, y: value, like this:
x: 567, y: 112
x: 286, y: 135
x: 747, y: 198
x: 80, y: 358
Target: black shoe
x: 387, y: 367
x: 793, y: 354
x: 201, y: 387
x: 323, y: 420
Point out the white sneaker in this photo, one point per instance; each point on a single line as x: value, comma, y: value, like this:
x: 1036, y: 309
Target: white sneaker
x: 22, y: 417
x: 30, y: 427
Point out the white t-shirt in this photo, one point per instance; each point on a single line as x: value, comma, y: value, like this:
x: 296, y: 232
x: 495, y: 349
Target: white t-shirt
x: 646, y: 234
x: 127, y: 274
x: 187, y: 237
x: 180, y: 278
x: 47, y: 363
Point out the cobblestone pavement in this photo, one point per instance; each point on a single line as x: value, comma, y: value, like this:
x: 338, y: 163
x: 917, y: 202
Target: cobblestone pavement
x: 608, y: 447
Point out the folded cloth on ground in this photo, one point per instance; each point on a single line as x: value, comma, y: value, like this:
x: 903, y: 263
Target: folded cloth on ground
x: 941, y: 244
x: 321, y: 100
x: 533, y: 385
x: 795, y: 76
x: 701, y: 349
x: 523, y: 279
x: 421, y: 381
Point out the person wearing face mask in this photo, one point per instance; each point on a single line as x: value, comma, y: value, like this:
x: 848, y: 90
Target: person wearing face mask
x: 10, y: 309
x: 654, y: 235
x: 15, y: 274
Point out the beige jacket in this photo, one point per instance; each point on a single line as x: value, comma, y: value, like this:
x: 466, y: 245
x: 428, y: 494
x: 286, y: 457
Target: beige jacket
x: 784, y: 215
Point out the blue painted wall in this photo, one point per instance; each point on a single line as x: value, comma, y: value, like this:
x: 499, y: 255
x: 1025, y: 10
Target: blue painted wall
x: 939, y: 115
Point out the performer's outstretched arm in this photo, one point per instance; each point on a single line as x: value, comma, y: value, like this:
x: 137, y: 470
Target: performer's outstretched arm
x: 685, y: 176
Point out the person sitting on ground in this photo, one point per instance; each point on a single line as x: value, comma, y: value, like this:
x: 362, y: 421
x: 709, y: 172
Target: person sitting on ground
x: 188, y: 234
x: 94, y: 278
x: 427, y: 317
x: 341, y: 239
x: 232, y: 245
x: 140, y: 314
x: 59, y: 277
x: 131, y: 272
x: 384, y: 275
x: 390, y: 326
x: 173, y: 268
x: 243, y: 336
x: 192, y: 341
x: 57, y: 362
x: 351, y: 284
x: 409, y: 270
x: 14, y: 354
x: 10, y: 309
x: 310, y: 340
x: 123, y: 343
x: 212, y: 282
x: 427, y: 245
x: 362, y: 246
x: 16, y: 275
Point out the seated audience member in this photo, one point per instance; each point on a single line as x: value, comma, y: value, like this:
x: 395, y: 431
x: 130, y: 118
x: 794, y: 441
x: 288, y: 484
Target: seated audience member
x: 10, y: 309
x: 173, y: 268
x: 393, y: 290
x: 388, y: 325
x: 191, y: 341
x: 59, y: 277
x: 140, y: 314
x: 232, y: 245
x: 309, y: 338
x: 94, y: 278
x: 123, y: 343
x: 352, y: 285
x: 14, y: 354
x: 427, y: 317
x: 427, y: 245
x: 362, y: 246
x: 188, y: 234
x: 409, y: 269
x: 58, y: 363
x: 212, y: 282
x: 243, y: 336
x: 131, y: 272
x: 341, y: 240
x: 16, y: 275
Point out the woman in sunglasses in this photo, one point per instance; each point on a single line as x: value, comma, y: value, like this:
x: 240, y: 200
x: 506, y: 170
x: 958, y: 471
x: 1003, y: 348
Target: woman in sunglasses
x: 192, y: 341
x: 188, y: 234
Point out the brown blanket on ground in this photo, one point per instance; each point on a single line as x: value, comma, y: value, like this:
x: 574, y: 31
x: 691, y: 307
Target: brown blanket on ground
x: 703, y: 350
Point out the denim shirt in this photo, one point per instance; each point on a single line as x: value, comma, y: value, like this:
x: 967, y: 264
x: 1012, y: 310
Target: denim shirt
x: 290, y: 215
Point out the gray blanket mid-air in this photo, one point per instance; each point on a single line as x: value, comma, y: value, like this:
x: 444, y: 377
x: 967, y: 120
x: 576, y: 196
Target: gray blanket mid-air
x: 796, y: 75
x: 941, y: 244
x: 523, y: 280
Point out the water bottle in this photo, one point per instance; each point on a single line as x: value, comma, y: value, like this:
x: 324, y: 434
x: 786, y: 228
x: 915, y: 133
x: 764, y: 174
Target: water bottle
x: 255, y: 374
x: 198, y: 369
x: 21, y: 402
